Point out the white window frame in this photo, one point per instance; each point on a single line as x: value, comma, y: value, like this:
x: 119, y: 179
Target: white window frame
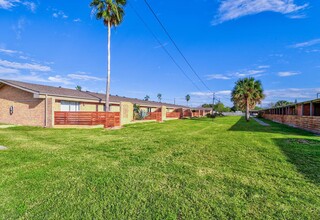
x: 67, y: 106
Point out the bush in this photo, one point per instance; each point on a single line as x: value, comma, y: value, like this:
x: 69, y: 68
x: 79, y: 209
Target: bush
x: 216, y: 114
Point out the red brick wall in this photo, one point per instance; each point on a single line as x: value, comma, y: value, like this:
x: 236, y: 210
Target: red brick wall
x: 310, y: 123
x: 27, y: 110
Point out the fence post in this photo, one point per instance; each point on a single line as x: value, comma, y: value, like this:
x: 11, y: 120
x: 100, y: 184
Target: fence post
x: 126, y: 113
x: 163, y: 113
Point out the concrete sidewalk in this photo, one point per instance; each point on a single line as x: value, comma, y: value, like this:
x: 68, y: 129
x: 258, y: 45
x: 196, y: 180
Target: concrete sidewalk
x: 261, y: 122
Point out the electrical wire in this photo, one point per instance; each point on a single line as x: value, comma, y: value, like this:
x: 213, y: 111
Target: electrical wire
x: 176, y: 46
x: 163, y: 47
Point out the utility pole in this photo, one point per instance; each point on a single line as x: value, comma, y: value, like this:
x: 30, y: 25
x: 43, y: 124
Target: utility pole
x: 174, y: 100
x: 213, y: 101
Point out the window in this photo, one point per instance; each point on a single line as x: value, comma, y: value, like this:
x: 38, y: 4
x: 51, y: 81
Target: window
x: 70, y: 106
x: 149, y: 110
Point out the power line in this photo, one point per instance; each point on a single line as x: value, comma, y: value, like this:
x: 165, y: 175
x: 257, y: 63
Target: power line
x: 162, y: 46
x: 174, y: 43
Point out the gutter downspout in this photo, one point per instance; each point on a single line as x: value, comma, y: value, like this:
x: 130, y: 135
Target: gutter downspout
x: 45, y: 112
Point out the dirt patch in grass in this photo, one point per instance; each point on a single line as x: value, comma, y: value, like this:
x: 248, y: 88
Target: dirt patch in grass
x: 3, y: 148
x: 302, y: 141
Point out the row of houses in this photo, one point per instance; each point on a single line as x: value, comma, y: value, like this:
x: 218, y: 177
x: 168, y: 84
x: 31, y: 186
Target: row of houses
x: 304, y: 115
x: 47, y: 106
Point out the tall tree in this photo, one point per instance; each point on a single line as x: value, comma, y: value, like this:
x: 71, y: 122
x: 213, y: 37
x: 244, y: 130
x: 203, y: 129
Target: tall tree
x: 111, y: 12
x: 146, y: 98
x: 188, y: 99
x: 159, y: 97
x: 246, y: 94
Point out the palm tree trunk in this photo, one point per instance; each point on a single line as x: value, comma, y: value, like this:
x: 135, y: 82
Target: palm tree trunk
x: 107, y: 107
x: 247, y: 111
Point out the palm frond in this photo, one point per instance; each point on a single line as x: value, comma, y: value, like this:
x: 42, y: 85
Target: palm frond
x: 109, y: 11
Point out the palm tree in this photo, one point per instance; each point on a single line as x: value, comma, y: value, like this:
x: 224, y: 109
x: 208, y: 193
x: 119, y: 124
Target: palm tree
x: 146, y: 98
x: 111, y: 12
x: 159, y: 97
x: 246, y: 94
x: 188, y: 99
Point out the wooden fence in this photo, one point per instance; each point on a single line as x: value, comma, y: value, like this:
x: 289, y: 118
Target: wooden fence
x: 187, y: 113
x: 173, y: 115
x: 108, y: 119
x: 196, y: 114
x: 154, y: 116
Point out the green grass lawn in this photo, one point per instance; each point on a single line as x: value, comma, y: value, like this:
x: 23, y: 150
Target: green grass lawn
x: 187, y: 169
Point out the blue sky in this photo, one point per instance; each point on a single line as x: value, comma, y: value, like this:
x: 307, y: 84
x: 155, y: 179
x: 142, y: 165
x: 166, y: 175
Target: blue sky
x: 60, y: 43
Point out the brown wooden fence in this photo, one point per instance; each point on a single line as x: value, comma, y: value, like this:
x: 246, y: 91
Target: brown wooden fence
x: 173, y: 115
x: 196, y: 114
x: 154, y: 116
x: 187, y: 113
x: 108, y: 119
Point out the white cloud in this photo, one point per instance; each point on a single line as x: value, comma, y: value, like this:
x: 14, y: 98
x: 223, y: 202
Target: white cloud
x: 30, y: 5
x: 206, y: 97
x: 60, y: 79
x: 218, y: 76
x: 221, y: 93
x: 234, y: 9
x: 292, y: 93
x: 5, y: 51
x: 59, y: 14
x: 247, y: 73
x: 19, y: 27
x: 240, y: 74
x: 77, y: 20
x: 297, y: 16
x: 4, y: 70
x: 287, y: 73
x: 25, y: 66
x: 9, y: 4
x: 84, y: 77
x: 306, y: 44
x: 264, y: 67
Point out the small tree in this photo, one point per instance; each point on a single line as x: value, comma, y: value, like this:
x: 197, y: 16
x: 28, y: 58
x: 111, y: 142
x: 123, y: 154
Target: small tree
x: 79, y: 88
x: 207, y: 105
x: 246, y: 94
x: 146, y: 98
x: 159, y: 97
x: 219, y: 107
x: 136, y: 111
x: 188, y: 99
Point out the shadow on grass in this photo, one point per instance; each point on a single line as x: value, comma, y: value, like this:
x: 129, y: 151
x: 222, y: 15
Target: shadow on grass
x: 253, y: 126
x: 304, y: 154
